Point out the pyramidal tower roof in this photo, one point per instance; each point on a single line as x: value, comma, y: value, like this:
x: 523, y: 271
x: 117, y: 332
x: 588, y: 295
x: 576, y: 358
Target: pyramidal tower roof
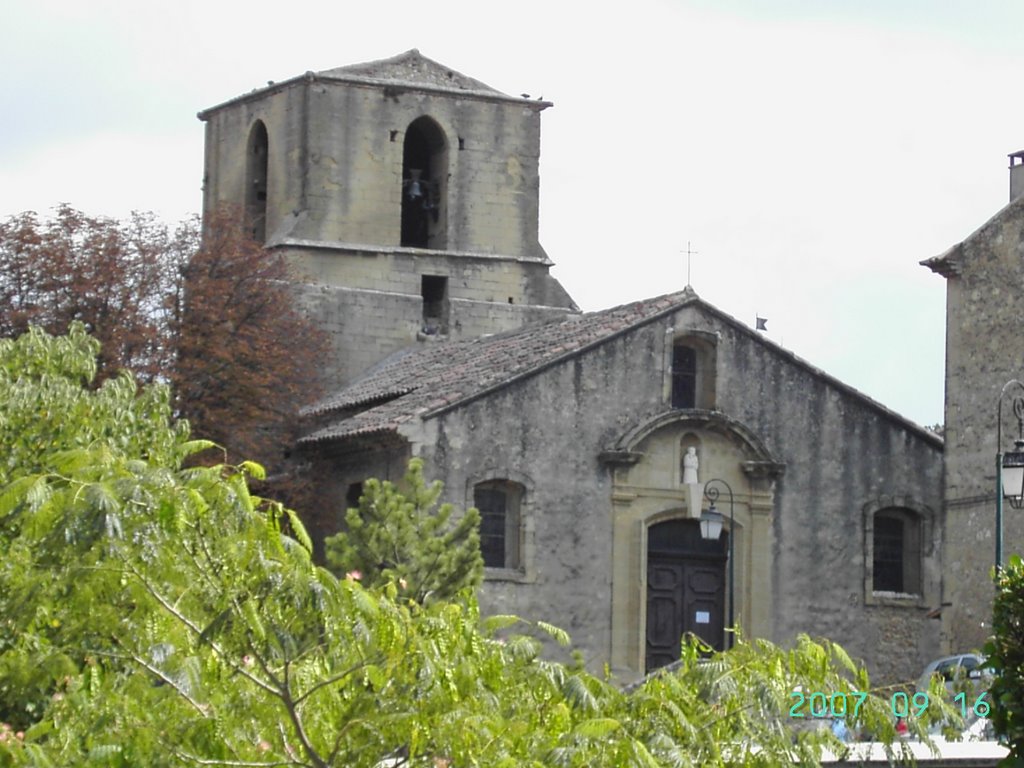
x: 406, y: 71
x: 410, y: 68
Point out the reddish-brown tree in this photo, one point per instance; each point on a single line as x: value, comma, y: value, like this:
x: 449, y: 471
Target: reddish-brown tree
x: 247, y: 357
x: 121, y: 278
x: 215, y: 316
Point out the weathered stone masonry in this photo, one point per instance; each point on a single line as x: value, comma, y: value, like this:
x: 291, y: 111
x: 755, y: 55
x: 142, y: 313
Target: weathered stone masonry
x: 406, y: 194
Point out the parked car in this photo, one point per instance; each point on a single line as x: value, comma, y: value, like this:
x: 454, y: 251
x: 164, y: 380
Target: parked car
x: 962, y: 666
x: 964, y: 673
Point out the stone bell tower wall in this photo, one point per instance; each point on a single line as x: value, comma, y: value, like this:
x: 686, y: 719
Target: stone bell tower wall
x: 405, y: 194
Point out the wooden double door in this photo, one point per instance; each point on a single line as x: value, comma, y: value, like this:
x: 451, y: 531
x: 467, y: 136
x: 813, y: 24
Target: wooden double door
x: 685, y: 589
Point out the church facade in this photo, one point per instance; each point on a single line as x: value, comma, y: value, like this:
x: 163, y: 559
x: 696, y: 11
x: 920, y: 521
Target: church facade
x: 593, y: 444
x: 570, y: 436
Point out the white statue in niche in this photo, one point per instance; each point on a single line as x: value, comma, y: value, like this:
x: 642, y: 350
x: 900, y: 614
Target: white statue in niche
x: 690, y: 466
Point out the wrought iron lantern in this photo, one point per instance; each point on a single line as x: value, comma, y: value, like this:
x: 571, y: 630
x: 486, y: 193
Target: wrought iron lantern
x: 1013, y: 475
x: 711, y: 523
x: 1009, y: 465
x: 711, y: 529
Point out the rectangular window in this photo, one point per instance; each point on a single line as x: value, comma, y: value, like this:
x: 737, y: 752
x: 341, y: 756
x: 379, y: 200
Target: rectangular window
x: 353, y: 494
x: 492, y: 504
x: 499, y: 503
x: 684, y: 377
x: 888, y: 555
x: 434, y: 291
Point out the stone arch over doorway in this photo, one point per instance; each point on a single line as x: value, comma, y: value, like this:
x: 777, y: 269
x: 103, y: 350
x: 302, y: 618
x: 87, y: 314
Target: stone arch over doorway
x: 647, y: 491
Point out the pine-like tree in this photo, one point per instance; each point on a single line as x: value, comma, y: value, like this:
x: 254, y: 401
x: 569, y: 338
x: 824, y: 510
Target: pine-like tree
x: 397, y: 536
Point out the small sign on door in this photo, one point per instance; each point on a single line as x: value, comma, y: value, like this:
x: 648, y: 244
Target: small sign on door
x: 703, y: 617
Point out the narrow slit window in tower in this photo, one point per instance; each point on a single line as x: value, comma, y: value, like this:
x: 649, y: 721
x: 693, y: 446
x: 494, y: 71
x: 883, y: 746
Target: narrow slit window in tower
x: 434, y: 290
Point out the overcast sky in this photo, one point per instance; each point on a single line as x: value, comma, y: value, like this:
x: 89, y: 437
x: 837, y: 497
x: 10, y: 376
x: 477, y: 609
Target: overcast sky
x: 812, y: 153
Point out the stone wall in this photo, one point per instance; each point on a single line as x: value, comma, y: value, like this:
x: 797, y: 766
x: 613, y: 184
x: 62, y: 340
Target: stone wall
x: 843, y: 455
x: 366, y: 326
x: 845, y: 458
x: 335, y: 163
x: 984, y: 350
x: 498, y: 280
x: 334, y: 471
x: 334, y: 197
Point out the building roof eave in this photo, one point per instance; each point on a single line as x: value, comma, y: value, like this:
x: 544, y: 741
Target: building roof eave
x: 395, y: 75
x: 948, y: 264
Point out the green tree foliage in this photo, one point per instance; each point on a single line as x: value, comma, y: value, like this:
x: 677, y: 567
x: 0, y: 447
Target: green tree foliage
x: 1005, y: 652
x: 153, y: 614
x: 53, y: 426
x: 211, y: 313
x: 397, y: 536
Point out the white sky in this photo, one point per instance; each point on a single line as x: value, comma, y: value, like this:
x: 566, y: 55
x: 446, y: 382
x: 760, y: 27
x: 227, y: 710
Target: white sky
x: 813, y: 152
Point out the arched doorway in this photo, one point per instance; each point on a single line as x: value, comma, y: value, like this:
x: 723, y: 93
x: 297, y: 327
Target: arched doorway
x: 424, y: 185
x: 685, y: 589
x: 650, y: 499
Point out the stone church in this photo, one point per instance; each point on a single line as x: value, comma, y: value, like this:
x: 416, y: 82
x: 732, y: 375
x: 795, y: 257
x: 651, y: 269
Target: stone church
x: 593, y: 444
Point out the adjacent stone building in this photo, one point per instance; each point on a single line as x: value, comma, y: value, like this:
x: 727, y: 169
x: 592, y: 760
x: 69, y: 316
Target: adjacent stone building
x: 984, y: 350
x: 407, y: 194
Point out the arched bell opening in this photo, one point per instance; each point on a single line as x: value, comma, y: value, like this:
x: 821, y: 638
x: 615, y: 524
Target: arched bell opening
x: 256, y: 182
x: 424, y: 185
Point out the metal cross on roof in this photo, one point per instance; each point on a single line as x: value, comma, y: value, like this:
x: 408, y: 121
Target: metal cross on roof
x: 689, y: 253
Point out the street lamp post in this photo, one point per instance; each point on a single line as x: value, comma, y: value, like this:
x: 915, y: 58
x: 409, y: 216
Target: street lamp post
x: 1009, y: 465
x: 711, y: 528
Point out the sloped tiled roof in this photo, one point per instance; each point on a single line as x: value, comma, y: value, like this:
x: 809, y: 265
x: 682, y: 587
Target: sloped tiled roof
x: 445, y: 373
x: 425, y: 382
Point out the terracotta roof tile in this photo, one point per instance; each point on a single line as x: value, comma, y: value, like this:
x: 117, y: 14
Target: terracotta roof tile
x: 445, y: 373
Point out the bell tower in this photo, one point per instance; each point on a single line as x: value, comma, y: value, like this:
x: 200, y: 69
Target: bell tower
x: 404, y: 193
